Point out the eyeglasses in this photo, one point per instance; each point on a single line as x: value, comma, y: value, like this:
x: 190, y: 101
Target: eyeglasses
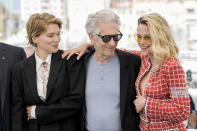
x: 107, y: 38
x: 138, y: 38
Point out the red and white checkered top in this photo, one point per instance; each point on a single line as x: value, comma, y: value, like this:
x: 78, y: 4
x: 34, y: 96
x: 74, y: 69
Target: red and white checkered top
x: 167, y: 104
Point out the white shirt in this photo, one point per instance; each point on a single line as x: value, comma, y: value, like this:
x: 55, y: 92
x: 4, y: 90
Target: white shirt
x: 38, y: 72
x: 39, y: 79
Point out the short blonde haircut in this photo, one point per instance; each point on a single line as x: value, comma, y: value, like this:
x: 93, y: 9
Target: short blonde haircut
x: 163, y: 44
x: 37, y: 24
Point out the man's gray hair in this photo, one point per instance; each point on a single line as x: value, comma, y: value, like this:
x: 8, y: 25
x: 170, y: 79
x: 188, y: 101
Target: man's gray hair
x: 100, y: 16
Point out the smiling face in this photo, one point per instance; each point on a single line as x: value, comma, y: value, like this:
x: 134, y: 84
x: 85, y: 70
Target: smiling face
x: 48, y: 41
x: 105, y: 49
x: 144, y: 44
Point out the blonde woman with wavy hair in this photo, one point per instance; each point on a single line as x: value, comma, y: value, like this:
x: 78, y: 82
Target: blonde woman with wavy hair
x: 162, y: 96
x: 163, y: 44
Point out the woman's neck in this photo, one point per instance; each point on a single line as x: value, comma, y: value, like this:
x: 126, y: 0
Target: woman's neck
x: 155, y: 64
x: 41, y: 55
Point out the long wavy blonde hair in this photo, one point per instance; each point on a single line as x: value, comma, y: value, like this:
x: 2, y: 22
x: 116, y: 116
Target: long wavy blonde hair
x: 163, y: 44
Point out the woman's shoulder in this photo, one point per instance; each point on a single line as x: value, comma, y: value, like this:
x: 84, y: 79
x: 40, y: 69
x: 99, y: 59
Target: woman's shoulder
x: 19, y: 66
x: 171, y: 63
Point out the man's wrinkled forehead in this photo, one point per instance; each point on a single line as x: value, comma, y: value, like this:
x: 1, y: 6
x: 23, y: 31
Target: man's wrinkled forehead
x: 107, y: 28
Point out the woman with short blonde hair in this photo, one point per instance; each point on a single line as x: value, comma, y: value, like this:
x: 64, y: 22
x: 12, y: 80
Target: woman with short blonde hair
x: 47, y: 90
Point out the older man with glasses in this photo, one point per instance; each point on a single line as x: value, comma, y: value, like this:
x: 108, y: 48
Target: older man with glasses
x: 110, y: 78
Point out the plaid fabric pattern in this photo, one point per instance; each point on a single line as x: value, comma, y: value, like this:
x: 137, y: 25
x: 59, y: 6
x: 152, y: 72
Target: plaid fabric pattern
x: 167, y: 103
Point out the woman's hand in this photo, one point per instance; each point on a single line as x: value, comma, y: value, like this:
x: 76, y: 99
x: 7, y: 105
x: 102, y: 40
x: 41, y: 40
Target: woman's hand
x: 29, y: 108
x: 139, y: 103
x: 80, y: 50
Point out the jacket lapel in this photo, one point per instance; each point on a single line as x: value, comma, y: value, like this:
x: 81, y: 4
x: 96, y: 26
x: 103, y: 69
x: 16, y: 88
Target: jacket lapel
x: 30, y: 70
x: 86, y: 58
x: 124, y: 82
x: 3, y: 74
x: 30, y: 74
x: 56, y: 61
x: 84, y: 110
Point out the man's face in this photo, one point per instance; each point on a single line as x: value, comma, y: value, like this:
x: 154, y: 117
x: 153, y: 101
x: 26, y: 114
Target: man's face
x: 106, y: 49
